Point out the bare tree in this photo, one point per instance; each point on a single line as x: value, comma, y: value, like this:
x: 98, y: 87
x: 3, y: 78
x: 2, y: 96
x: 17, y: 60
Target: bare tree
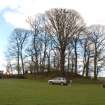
x: 62, y: 25
x: 69, y: 51
x: 75, y: 43
x: 97, y: 37
x: 17, y: 43
x: 14, y: 50
x: 46, y: 42
x: 35, y: 23
x: 85, y: 44
x: 22, y: 37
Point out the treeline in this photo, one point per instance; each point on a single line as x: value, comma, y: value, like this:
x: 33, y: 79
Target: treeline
x: 57, y: 40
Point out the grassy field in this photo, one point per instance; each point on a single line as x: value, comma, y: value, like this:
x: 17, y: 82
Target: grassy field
x: 31, y: 92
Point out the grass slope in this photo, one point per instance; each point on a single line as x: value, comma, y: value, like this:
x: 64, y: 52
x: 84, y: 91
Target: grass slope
x: 30, y: 92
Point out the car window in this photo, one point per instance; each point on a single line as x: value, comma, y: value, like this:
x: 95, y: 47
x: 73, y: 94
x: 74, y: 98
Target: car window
x: 59, y: 78
x: 56, y: 78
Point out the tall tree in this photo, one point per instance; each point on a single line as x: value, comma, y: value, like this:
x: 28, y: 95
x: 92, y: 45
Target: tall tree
x: 85, y: 44
x: 75, y: 44
x: 22, y: 39
x: 97, y: 37
x: 35, y: 23
x: 63, y: 24
x: 17, y: 43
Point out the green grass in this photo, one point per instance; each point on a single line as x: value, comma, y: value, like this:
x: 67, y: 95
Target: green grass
x: 31, y: 92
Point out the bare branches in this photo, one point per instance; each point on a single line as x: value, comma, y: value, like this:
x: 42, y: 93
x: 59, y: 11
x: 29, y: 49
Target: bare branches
x: 97, y: 37
x: 64, y: 24
x: 60, y: 32
x: 17, y: 43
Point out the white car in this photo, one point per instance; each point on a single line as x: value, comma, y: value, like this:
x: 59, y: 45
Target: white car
x: 58, y: 80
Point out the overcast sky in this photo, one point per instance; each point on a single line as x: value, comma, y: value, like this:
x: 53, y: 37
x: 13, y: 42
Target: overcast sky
x: 13, y: 13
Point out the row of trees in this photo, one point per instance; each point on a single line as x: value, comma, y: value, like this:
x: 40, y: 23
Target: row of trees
x: 58, y: 40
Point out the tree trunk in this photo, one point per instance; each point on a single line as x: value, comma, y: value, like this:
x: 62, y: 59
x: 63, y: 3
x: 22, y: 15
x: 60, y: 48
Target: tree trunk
x: 72, y: 65
x: 62, y: 62
x: 84, y: 61
x: 18, y: 64
x: 48, y: 63
x: 84, y: 69
x: 54, y: 62
x: 68, y: 62
x: 37, y: 65
x: 75, y: 57
x: 87, y: 67
x: 22, y: 63
x: 95, y: 63
x: 33, y: 66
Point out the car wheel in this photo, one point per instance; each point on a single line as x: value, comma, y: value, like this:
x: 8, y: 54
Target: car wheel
x: 50, y: 83
x: 103, y: 85
x: 62, y: 83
